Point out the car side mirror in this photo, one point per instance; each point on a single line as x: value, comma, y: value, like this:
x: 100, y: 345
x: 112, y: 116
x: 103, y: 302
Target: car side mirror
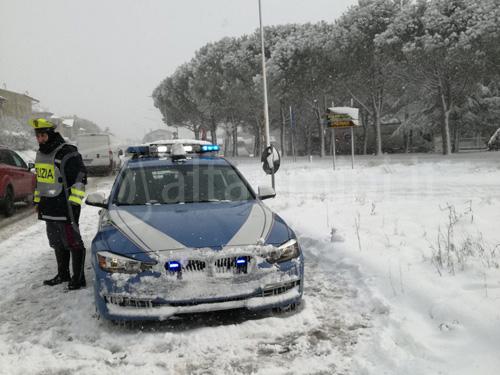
x: 97, y: 200
x: 266, y: 192
x: 31, y: 166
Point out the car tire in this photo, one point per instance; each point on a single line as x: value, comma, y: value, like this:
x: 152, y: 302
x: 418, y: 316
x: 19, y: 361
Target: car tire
x: 8, y: 203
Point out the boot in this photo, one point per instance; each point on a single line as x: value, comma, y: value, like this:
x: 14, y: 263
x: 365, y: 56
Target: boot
x: 62, y: 258
x: 75, y: 284
x: 78, y: 263
x: 58, y: 279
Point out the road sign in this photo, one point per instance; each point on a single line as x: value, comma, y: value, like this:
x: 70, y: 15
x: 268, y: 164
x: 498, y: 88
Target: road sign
x: 342, y: 117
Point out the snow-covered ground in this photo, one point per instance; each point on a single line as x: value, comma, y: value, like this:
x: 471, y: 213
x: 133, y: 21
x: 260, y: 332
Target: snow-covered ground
x: 402, y: 277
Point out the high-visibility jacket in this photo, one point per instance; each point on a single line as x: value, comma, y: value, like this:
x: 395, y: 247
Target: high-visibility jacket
x: 61, y: 178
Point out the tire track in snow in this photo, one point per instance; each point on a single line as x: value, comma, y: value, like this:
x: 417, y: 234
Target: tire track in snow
x: 59, y: 331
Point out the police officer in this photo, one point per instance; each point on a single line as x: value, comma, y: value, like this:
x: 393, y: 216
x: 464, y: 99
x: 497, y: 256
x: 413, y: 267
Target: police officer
x: 60, y: 189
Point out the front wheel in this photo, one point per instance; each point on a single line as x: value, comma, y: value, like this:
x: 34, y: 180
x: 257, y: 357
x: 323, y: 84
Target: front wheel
x: 8, y: 203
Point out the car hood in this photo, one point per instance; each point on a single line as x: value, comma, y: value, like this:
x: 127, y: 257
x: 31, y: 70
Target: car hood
x: 197, y: 225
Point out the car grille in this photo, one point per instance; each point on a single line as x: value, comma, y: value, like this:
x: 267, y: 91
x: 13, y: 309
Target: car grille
x: 226, y: 265
x: 130, y: 302
x: 279, y: 289
x: 194, y: 266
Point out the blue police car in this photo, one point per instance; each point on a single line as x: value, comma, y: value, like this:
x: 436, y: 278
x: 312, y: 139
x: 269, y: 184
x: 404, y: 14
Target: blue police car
x: 183, y: 232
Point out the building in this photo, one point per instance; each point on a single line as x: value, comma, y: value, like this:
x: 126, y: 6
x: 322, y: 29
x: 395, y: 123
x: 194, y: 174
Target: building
x: 15, y: 111
x: 16, y: 105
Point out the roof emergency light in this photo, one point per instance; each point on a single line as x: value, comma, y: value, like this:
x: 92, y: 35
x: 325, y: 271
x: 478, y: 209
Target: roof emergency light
x: 209, y: 148
x: 177, y: 151
x: 137, y: 151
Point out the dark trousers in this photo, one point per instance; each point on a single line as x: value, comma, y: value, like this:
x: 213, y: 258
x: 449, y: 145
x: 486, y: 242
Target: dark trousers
x: 67, y: 243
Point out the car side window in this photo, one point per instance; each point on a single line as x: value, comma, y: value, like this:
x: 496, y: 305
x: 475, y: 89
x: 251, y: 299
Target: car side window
x: 126, y: 193
x: 6, y: 158
x: 18, y: 161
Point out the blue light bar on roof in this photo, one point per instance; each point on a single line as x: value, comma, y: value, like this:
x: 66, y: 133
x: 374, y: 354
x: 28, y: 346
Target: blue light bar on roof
x: 138, y: 150
x: 209, y: 148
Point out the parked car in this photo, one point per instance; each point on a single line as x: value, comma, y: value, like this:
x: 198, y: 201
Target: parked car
x: 17, y: 182
x: 494, y: 142
x: 183, y: 232
x: 100, y: 152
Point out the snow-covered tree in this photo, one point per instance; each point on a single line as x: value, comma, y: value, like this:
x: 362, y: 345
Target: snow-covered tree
x: 364, y: 71
x: 438, y: 41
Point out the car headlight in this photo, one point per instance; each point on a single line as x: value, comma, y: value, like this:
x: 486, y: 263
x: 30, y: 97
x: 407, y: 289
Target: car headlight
x: 112, y: 263
x: 289, y: 250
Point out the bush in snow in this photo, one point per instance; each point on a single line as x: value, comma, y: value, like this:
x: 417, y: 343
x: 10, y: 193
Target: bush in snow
x: 452, y: 252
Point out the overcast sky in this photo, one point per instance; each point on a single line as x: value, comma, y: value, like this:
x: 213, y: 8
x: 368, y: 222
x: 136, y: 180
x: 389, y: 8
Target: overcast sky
x: 101, y: 59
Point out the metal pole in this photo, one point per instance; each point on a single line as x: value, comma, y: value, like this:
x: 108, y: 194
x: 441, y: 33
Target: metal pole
x: 292, y: 130
x: 334, y: 148
x: 264, y: 83
x: 264, y: 78
x: 352, y: 139
x: 352, y: 147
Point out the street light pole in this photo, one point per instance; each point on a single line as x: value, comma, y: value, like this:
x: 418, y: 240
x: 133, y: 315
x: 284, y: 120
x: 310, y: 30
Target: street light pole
x: 264, y: 82
x: 264, y: 79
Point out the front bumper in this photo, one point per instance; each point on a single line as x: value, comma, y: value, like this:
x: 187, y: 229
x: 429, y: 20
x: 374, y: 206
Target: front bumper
x: 136, y: 309
x: 159, y: 295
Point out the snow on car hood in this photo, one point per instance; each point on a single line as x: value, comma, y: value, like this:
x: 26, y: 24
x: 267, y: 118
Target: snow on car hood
x: 199, y: 225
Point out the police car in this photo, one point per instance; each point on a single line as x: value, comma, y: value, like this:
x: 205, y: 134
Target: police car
x: 183, y: 232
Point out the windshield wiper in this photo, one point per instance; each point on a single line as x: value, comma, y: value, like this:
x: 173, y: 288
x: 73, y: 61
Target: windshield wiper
x: 208, y: 200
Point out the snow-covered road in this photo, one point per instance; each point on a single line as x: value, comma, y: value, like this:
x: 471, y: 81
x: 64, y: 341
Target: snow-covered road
x: 49, y: 330
x: 374, y: 300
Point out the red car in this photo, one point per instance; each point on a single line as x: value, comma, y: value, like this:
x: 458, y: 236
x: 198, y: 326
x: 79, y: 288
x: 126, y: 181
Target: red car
x: 17, y: 182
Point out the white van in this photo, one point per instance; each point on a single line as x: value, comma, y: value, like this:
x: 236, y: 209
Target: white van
x: 100, y: 152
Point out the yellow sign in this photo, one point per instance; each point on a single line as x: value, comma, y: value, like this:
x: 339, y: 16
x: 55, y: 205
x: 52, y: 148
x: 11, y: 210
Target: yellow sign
x: 336, y: 120
x: 342, y: 124
x: 342, y: 117
x: 45, y: 173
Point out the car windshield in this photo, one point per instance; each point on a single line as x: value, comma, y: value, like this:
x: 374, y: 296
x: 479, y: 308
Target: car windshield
x: 180, y: 184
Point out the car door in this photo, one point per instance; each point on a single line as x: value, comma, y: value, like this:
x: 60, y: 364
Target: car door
x: 22, y: 177
x: 7, y: 171
x: 28, y: 177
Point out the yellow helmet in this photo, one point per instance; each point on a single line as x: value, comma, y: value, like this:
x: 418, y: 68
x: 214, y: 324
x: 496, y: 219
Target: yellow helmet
x: 42, y: 124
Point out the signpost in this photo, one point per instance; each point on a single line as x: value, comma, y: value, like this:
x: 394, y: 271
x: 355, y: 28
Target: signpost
x: 342, y: 117
x: 292, y: 130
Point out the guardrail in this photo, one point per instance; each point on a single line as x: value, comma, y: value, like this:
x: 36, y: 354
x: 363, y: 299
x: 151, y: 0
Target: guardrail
x: 473, y: 144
